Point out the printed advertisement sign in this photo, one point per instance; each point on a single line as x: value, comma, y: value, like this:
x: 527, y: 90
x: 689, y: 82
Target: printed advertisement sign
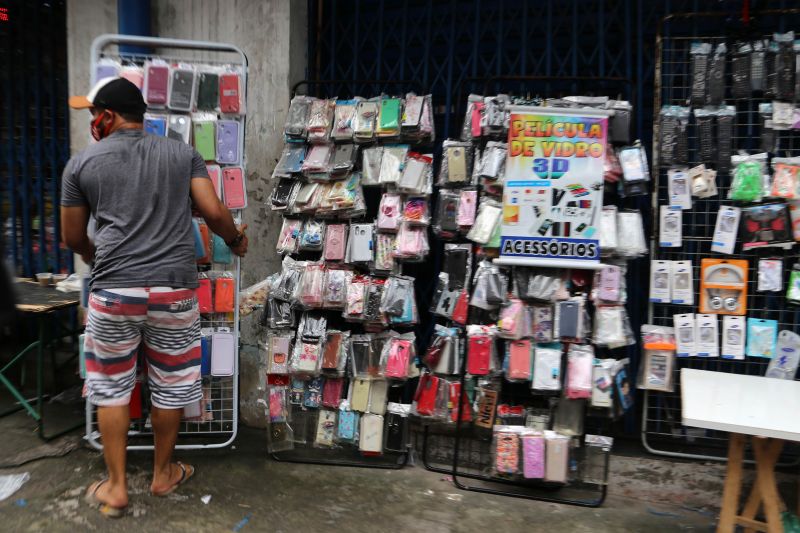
x: 553, y: 188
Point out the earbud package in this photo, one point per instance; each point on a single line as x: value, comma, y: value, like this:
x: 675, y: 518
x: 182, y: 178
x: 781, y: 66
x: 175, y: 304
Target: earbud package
x: 670, y: 227
x: 682, y: 283
x: 707, y: 339
x: 785, y: 366
x: 660, y: 273
x: 733, y: 337
x: 685, y: 330
x: 727, y: 227
x: 679, y: 188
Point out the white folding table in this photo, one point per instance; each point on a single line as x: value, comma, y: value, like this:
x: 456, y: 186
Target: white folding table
x: 764, y: 410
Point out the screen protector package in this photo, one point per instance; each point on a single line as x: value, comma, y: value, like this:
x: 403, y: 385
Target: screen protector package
x: 635, y: 171
x: 631, y: 239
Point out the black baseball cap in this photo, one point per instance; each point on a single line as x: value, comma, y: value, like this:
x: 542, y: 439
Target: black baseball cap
x: 115, y: 94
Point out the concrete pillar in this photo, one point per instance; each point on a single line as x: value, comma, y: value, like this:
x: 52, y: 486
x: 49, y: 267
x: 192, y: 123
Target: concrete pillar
x: 273, y: 34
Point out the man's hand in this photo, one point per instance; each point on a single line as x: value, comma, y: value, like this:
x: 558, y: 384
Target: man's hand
x: 240, y: 249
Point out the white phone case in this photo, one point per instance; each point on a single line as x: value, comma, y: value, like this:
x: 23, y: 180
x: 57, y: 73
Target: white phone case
x: 378, y: 393
x: 371, y: 439
x: 222, y: 354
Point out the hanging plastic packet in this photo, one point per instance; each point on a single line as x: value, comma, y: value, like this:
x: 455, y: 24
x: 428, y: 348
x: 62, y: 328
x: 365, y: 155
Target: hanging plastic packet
x: 392, y: 163
x: 630, y: 238
x: 608, y: 230
x: 343, y: 159
x: 488, y: 218
x: 415, y: 174
x: 619, y: 124
x: 748, y: 177
x: 700, y: 53
x: 716, y: 76
x: 761, y: 337
x: 412, y: 243
x: 397, y: 355
x: 580, y: 359
x: 547, y: 367
x: 725, y: 129
x: 740, y: 71
x: 757, y: 66
x: 384, y: 252
x: 365, y: 119
x: 396, y: 295
x: 291, y: 161
x: 311, y: 290
x: 343, y: 117
x: 319, y: 120
x: 513, y: 320
x: 704, y: 181
x: 356, y: 297
x: 610, y: 327
x: 656, y: 372
x: 785, y: 66
x: 785, y: 177
x: 784, y: 365
x: 447, y: 207
x: 278, y: 314
x: 474, y: 109
x: 635, y: 172
x: 389, y: 213
x: 493, y: 160
x: 335, y: 288
x: 770, y: 275
x: 672, y: 128
x: 706, y: 151
x: 297, y: 118
x: 415, y: 211
x: 371, y: 166
x: 313, y: 235
x: 456, y: 167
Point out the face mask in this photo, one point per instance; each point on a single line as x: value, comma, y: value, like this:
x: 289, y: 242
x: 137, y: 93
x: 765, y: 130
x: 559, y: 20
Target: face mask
x: 99, y: 131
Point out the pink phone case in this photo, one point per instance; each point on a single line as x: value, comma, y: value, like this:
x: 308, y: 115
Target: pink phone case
x: 533, y: 456
x: 222, y: 354
x: 519, y: 359
x: 466, y: 208
x: 479, y: 355
x: 397, y: 363
x: 233, y: 184
x: 609, y: 283
x: 335, y: 242
x: 214, y: 172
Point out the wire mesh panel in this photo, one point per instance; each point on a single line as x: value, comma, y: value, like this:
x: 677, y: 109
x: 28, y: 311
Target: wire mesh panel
x: 662, y: 431
x: 216, y: 424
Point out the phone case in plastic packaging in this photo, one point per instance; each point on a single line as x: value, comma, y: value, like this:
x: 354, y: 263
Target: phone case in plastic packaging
x: 335, y: 288
x: 297, y: 118
x: 395, y: 438
x: 467, y: 206
x: 493, y: 160
x: 182, y: 88
x: 635, y: 171
x: 488, y: 218
x: 609, y: 327
x: 343, y: 118
x: 580, y: 359
x: 547, y: 367
x: 506, y: 444
x: 311, y: 291
x: 448, y: 203
x: 317, y: 159
x: 415, y: 211
x: 785, y: 67
x: 279, y: 314
x: 313, y: 235
x: 456, y: 167
x: 289, y: 236
x: 397, y: 355
x: 364, y: 123
x: 343, y: 159
x: 291, y: 161
x: 472, y: 117
x: 513, y: 323
x: 384, y: 252
x: 356, y: 297
x: 412, y: 243
x: 416, y: 172
x: 389, y: 212
x: 320, y: 119
x: 392, y: 163
x: 631, y: 240
x: 371, y: 160
x: 608, y: 234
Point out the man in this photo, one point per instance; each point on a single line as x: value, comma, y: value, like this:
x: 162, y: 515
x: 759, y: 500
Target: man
x: 141, y: 190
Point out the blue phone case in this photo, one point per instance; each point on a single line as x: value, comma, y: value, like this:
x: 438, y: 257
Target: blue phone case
x: 205, y: 356
x: 222, y: 254
x: 156, y: 126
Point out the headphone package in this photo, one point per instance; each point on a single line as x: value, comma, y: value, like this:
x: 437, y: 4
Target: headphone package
x: 723, y: 286
x: 707, y: 336
x: 733, y: 337
x: 766, y: 225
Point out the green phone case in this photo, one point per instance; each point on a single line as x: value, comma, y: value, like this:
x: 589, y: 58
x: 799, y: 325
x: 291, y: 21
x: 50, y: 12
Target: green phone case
x: 204, y: 140
x: 390, y: 114
x: 208, y: 92
x: 222, y: 254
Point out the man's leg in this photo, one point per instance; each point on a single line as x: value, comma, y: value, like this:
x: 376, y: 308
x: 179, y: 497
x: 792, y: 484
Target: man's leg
x: 165, y: 426
x: 172, y: 347
x: 114, y: 423
x: 111, y: 347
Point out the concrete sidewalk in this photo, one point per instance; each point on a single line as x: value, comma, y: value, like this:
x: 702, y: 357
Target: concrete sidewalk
x: 253, y: 493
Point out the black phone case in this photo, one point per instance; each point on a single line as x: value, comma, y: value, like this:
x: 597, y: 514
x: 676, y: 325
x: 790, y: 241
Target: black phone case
x: 395, y: 433
x: 208, y: 91
x: 455, y: 264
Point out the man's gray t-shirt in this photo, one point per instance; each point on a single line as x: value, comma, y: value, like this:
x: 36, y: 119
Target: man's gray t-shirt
x: 137, y: 187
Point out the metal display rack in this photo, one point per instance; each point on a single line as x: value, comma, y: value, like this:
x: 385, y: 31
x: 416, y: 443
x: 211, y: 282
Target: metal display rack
x: 662, y: 432
x: 223, y: 392
x: 308, y: 454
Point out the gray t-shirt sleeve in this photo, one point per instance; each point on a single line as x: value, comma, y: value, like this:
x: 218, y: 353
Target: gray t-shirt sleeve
x: 199, y: 169
x: 71, y: 194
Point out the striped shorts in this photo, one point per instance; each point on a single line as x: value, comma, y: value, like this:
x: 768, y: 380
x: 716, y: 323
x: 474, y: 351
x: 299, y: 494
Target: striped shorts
x: 165, y: 322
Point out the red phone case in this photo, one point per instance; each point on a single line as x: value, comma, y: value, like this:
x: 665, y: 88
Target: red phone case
x: 427, y: 391
x: 229, y: 93
x: 223, y: 295
x: 204, y: 301
x: 332, y: 392
x: 233, y: 184
x: 461, y: 309
x: 206, y: 259
x: 157, y: 84
x: 479, y: 355
x: 466, y: 413
x: 519, y: 359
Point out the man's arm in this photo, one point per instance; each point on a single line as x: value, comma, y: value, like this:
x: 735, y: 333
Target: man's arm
x: 216, y: 215
x: 74, y: 220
